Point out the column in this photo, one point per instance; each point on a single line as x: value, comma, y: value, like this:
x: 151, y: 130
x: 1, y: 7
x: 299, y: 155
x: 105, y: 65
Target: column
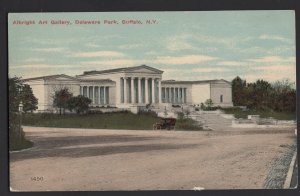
x: 93, y: 92
x: 153, y: 90
x: 176, y: 95
x: 125, y: 90
x: 121, y: 90
x: 163, y: 95
x: 139, y: 88
x: 169, y: 95
x: 81, y: 91
x: 107, y: 95
x: 146, y: 91
x: 184, y: 95
x: 173, y: 95
x: 171, y: 99
x: 132, y: 90
x: 87, y: 91
x: 180, y: 95
x: 99, y: 99
x: 171, y: 91
x: 159, y: 91
x: 166, y: 100
x: 104, y: 95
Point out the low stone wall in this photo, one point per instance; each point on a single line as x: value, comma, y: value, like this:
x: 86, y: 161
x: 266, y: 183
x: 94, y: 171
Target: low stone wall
x: 108, y: 110
x: 227, y: 116
x: 254, y: 121
x: 211, y: 112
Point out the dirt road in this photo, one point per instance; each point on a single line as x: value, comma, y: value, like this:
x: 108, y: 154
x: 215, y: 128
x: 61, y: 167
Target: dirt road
x: 86, y: 159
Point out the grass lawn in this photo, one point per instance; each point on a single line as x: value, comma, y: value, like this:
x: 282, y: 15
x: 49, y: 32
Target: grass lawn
x: 239, y: 113
x: 121, y: 120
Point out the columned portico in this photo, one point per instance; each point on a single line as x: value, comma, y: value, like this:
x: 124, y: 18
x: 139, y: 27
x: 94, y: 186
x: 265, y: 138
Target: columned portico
x: 140, y: 90
x: 99, y: 95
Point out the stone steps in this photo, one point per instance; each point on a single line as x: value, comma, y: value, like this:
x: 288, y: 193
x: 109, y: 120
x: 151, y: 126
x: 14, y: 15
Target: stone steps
x: 214, y: 121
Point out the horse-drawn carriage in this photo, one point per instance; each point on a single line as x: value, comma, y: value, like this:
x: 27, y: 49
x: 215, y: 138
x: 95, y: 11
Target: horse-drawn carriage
x: 165, y: 123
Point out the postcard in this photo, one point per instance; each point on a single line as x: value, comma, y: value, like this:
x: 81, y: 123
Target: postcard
x: 173, y: 100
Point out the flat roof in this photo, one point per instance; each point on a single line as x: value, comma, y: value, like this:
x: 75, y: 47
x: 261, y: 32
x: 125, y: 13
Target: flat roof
x: 194, y: 82
x: 50, y: 77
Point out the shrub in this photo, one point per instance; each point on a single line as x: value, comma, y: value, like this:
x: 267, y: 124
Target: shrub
x: 79, y: 103
x: 187, y: 124
x: 147, y: 113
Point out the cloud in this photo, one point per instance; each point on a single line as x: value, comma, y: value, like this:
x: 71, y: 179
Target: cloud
x: 116, y: 62
x: 271, y: 77
x: 178, y: 43
x: 165, y: 60
x: 188, y: 41
x: 31, y: 60
x: 99, y: 54
x: 232, y: 63
x: 130, y: 46
x: 275, y: 37
x: 273, y: 59
x: 212, y: 69
x: 92, y: 45
x: 57, y: 49
x: 187, y: 59
x: 39, y: 66
x: 277, y: 68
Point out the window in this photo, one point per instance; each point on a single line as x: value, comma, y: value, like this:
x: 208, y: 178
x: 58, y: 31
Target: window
x: 221, y: 98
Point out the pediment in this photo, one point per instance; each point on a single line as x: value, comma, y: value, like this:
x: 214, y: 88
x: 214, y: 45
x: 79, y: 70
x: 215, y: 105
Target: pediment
x: 61, y: 77
x: 64, y: 79
x: 143, y: 69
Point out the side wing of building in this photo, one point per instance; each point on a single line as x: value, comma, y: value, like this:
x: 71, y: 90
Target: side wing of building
x: 44, y: 89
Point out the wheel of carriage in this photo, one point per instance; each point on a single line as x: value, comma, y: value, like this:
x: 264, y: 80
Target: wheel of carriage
x: 154, y: 127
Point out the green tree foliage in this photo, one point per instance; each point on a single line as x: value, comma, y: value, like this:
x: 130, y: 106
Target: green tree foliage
x: 209, y: 103
x: 238, y: 91
x: 262, y: 95
x: 285, y: 96
x: 79, y: 103
x: 29, y: 101
x: 17, y: 91
x: 61, y: 98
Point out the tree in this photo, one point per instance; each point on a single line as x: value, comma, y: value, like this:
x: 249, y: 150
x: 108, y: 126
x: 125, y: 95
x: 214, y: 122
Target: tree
x: 61, y: 98
x: 209, y: 103
x: 28, y: 99
x: 238, y: 91
x: 15, y: 86
x: 284, y: 96
x: 79, y: 103
x: 261, y: 95
x: 261, y: 91
x: 16, y: 134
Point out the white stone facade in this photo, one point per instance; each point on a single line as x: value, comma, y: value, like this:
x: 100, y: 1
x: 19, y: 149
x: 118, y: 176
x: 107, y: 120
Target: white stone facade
x: 131, y: 86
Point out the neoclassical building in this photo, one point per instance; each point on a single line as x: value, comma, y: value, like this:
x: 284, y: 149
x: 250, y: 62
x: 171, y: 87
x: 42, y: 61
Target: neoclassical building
x: 131, y: 86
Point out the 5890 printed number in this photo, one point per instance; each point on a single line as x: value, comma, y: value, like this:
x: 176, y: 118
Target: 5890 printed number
x: 37, y: 178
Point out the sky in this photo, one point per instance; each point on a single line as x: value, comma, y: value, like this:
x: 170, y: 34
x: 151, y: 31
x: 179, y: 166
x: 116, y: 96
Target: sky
x: 185, y: 45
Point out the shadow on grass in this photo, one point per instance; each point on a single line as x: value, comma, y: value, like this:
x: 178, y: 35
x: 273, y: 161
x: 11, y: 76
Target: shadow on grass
x: 56, y: 142
x: 78, y: 152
